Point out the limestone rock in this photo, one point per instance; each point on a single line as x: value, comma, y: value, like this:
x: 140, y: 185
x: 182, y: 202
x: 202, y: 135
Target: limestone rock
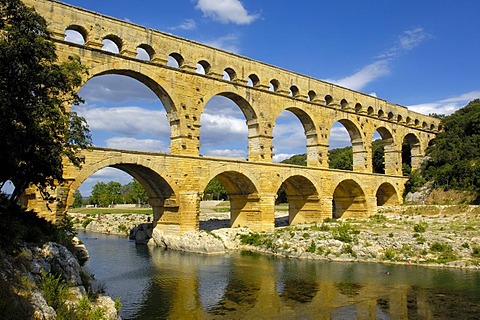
x: 198, y: 242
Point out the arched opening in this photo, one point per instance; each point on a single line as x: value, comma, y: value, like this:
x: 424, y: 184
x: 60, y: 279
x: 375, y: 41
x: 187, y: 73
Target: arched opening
x: 291, y: 134
x: 410, y: 153
x: 145, y: 52
x: 123, y: 188
x: 203, y: 67
x: 348, y: 200
x: 223, y: 126
x: 383, y: 152
x: 76, y: 34
x: 229, y: 74
x: 311, y: 95
x: 345, y: 146
x: 399, y: 118
x: 274, y: 85
x: 370, y: 111
x: 300, y: 195
x: 390, y: 116
x: 387, y: 195
x: 253, y: 80
x: 127, y: 112
x: 112, y: 44
x: 7, y: 187
x: 294, y: 91
x: 343, y: 104
x: 175, y: 60
x: 358, y: 108
x: 328, y: 99
x: 237, y: 198
x: 380, y: 114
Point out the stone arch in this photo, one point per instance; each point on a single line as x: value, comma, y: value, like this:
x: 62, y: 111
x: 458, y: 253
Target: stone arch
x: 148, y: 50
x: 411, y: 152
x: 203, y: 65
x: 359, y: 152
x: 160, y: 190
x: 311, y: 95
x: 254, y: 80
x: 387, y: 195
x: 274, y: 85
x: 328, y: 99
x: 302, y: 198
x: 294, y: 91
x: 349, y: 200
x: 243, y: 195
x: 178, y: 58
x: 389, y: 157
x: 144, y: 76
x: 80, y: 31
x: 343, y: 104
x: 358, y: 108
x: 229, y: 74
x: 370, y: 111
x: 313, y: 155
x: 116, y: 40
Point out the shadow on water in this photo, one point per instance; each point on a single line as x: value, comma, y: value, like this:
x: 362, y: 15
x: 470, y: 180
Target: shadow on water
x: 156, y: 284
x: 215, y: 224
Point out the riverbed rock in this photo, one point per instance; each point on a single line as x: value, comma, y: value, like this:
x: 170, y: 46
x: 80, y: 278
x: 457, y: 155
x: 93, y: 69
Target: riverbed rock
x: 197, y: 242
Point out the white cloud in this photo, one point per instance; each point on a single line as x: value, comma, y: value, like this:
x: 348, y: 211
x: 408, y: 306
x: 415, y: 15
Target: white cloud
x: 446, y: 106
x: 126, y: 120
x: 187, y: 24
x: 127, y: 143
x: 224, y: 124
x: 226, y: 11
x: 407, y: 41
x: 282, y: 156
x: 230, y: 153
x: 74, y: 37
x: 229, y: 43
x: 106, y: 175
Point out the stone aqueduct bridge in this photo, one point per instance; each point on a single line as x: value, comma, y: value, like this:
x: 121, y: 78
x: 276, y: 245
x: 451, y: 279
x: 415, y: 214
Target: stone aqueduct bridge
x: 175, y: 181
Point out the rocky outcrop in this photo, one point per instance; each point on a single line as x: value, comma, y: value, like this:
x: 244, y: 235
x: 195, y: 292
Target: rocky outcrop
x: 197, y: 242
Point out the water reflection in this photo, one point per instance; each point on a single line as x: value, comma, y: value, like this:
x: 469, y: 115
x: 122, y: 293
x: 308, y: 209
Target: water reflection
x: 174, y: 285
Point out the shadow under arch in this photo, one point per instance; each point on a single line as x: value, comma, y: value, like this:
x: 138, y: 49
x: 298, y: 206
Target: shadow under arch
x: 349, y: 200
x: 161, y: 195
x: 387, y: 195
x: 243, y: 196
x: 411, y: 153
x: 310, y: 133
x: 302, y: 198
x: 389, y: 153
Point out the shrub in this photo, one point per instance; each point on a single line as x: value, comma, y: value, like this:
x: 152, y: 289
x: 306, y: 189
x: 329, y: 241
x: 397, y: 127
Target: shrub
x: 476, y: 252
x: 378, y: 218
x: 312, y: 247
x: 440, y: 247
x: 420, y: 227
x: 54, y: 289
x: 389, y: 254
x: 344, y: 233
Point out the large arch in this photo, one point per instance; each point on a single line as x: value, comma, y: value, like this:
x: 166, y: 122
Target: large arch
x: 302, y: 198
x: 411, y: 153
x: 161, y: 193
x: 355, y: 134
x: 243, y: 195
x: 349, y: 200
x: 389, y: 152
x: 310, y: 131
x: 387, y: 195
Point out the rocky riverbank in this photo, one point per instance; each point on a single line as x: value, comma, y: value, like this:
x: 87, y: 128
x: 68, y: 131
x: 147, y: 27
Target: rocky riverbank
x: 447, y: 236
x: 39, y: 282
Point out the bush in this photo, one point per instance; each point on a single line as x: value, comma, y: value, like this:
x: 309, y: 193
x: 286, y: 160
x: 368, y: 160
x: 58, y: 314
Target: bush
x: 344, y: 233
x: 440, y: 247
x: 420, y: 227
x: 476, y: 252
x: 312, y: 247
x: 54, y: 289
x: 390, y: 254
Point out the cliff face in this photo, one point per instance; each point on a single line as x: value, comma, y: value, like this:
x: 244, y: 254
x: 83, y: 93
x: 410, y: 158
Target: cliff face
x: 34, y: 276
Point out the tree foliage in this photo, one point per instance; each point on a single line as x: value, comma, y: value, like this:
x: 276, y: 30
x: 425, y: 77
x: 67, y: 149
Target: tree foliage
x: 341, y: 158
x: 215, y: 190
x: 113, y: 192
x: 454, y: 158
x: 36, y: 92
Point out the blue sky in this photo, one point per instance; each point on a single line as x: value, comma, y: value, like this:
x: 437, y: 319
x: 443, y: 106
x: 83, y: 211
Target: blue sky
x: 421, y: 54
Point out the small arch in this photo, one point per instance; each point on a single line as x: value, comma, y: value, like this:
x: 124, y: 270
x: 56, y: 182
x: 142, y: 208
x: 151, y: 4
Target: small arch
x: 349, y: 200
x: 112, y: 43
x: 328, y: 99
x: 343, y: 104
x: 370, y: 111
x: 311, y: 95
x: 76, y: 34
x: 145, y: 52
x: 358, y: 108
x: 424, y: 125
x: 380, y: 113
x: 390, y: 115
x: 410, y: 153
x: 294, y: 91
x: 175, y: 60
x: 399, y: 118
x: 274, y: 85
x: 229, y: 74
x: 432, y: 126
x: 203, y: 67
x: 387, y: 195
x: 417, y: 122
x: 346, y: 160
x: 253, y: 80
x: 440, y: 127
x: 408, y: 120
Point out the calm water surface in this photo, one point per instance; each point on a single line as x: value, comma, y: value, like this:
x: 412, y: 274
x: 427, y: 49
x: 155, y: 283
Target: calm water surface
x: 157, y: 284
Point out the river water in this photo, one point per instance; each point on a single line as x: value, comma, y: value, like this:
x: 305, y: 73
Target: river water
x: 157, y: 284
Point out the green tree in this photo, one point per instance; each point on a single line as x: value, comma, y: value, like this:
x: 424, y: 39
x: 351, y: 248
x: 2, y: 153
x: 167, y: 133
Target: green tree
x: 78, y: 199
x: 215, y: 190
x: 36, y: 127
x: 138, y: 194
x: 378, y: 156
x: 298, y: 159
x: 454, y: 158
x: 341, y: 158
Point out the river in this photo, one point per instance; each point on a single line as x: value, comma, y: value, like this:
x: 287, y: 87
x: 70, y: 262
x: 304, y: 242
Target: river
x: 157, y: 284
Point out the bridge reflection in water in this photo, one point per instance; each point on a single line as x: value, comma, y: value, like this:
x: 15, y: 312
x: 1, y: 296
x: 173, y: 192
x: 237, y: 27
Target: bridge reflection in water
x: 175, y: 285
